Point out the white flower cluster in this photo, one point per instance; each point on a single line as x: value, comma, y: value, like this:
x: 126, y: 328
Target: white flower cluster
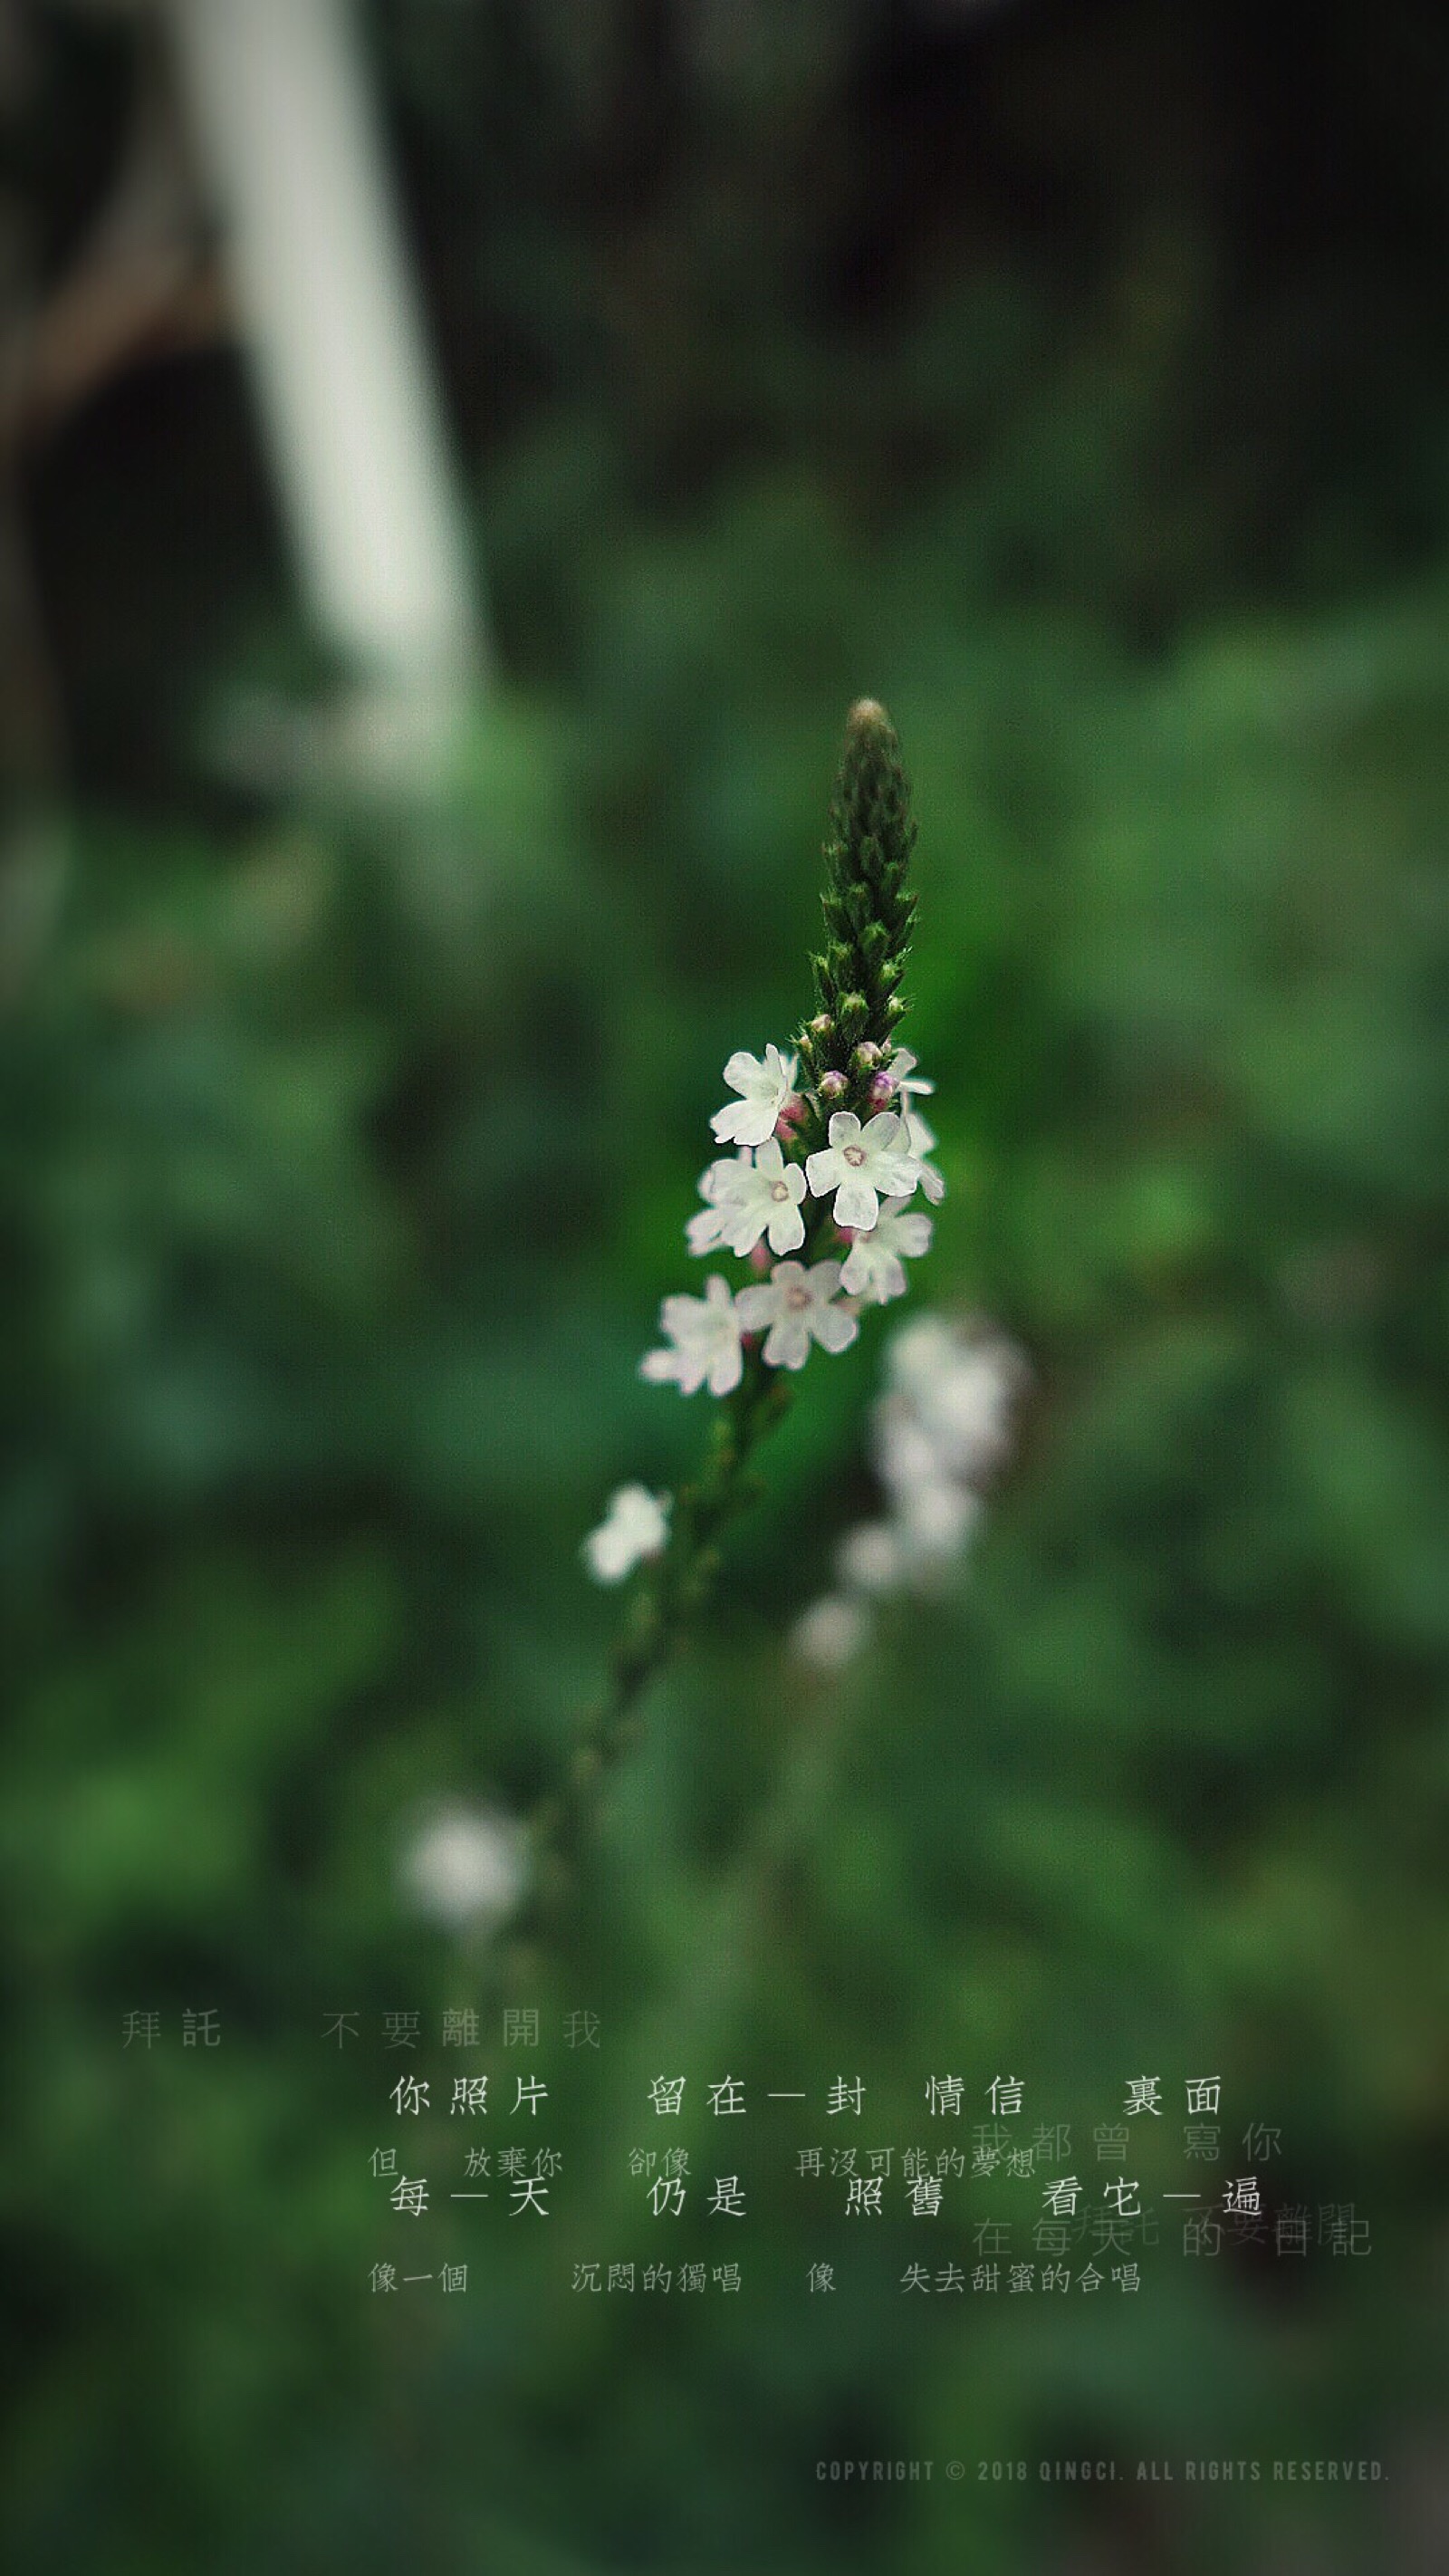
x: 869, y: 1172
x: 938, y: 1434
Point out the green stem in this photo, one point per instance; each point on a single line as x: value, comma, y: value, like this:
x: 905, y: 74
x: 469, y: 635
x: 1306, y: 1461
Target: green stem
x: 868, y: 909
x: 677, y: 1588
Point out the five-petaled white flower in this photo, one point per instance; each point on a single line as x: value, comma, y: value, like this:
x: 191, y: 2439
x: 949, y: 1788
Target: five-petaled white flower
x: 873, y: 1267
x: 757, y: 1194
x: 797, y: 1306
x: 909, y: 1086
x: 862, y: 1165
x: 765, y: 1083
x: 635, y: 1526
x: 705, y: 1332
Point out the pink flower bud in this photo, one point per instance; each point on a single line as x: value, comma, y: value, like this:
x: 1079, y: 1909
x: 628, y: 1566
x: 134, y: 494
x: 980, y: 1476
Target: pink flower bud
x: 882, y: 1090
x: 790, y: 1118
x: 833, y: 1086
x: 760, y: 1259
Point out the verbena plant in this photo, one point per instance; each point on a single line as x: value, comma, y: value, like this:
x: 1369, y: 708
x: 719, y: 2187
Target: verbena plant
x: 818, y: 1198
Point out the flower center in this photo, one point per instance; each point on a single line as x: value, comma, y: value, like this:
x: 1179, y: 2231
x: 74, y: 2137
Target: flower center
x: 855, y: 1154
x: 797, y: 1295
x: 778, y: 1190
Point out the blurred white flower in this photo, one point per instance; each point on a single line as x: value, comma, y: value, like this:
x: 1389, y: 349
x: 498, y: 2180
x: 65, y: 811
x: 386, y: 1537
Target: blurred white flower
x: 765, y: 1084
x: 936, y: 1435
x: 830, y: 1632
x: 466, y: 1867
x: 705, y: 1332
x: 903, y: 1453
x: 869, y: 1558
x: 958, y: 1383
x: 797, y: 1306
x: 635, y: 1526
x: 937, y: 1521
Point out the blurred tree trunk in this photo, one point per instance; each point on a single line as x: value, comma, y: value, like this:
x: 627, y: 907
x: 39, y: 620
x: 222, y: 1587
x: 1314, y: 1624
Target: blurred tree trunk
x: 296, y: 168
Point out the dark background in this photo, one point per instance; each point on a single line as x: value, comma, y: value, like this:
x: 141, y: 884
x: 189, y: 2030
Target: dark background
x: 1074, y: 379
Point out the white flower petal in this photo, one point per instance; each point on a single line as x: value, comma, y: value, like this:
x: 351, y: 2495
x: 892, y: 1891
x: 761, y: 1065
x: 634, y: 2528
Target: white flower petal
x: 895, y: 1175
x: 736, y: 1124
x: 743, y: 1071
x: 856, y: 1204
x: 787, y: 1228
x: 787, y: 1345
x: 755, y: 1307
x: 911, y: 1233
x: 834, y: 1327
x: 726, y: 1369
x: 902, y: 1070
x: 883, y: 1133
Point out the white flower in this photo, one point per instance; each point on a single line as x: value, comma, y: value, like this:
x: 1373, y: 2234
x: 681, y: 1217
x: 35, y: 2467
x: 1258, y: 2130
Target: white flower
x: 943, y: 1426
x: 934, y: 1511
x: 937, y: 1517
x: 705, y: 1332
x: 958, y: 1385
x: 906, y: 1457
x: 796, y: 1305
x: 466, y: 1866
x: 869, y: 1558
x: 919, y: 1354
x: 909, y: 1086
x: 757, y: 1194
x: 635, y: 1526
x: 862, y: 1163
x: 873, y: 1264
x: 830, y: 1632
x: 766, y: 1084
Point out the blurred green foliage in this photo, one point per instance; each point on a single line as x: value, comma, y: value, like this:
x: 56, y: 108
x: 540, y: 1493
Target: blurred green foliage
x: 346, y: 1152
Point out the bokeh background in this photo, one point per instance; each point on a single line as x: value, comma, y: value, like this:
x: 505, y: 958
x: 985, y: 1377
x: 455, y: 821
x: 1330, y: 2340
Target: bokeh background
x: 422, y: 693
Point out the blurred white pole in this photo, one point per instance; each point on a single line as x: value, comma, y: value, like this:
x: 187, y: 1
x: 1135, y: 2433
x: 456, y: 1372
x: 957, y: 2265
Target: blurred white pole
x: 294, y: 160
